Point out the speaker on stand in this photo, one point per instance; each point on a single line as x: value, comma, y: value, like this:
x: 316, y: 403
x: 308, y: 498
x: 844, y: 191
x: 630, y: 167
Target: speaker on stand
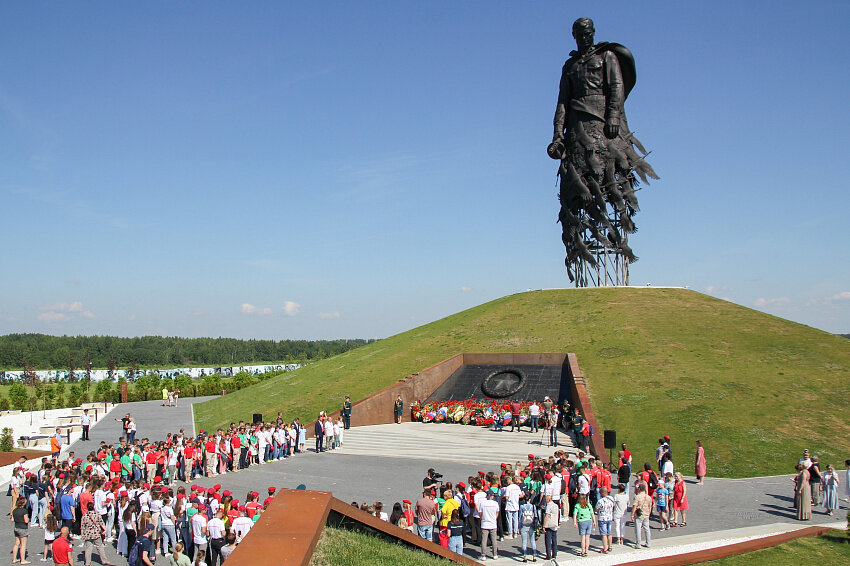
x: 610, y: 443
x: 258, y: 418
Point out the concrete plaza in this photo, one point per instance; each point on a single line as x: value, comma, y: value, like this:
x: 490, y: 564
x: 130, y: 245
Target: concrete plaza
x: 387, y: 463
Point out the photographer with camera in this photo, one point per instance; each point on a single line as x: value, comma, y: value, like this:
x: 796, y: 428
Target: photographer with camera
x: 431, y: 481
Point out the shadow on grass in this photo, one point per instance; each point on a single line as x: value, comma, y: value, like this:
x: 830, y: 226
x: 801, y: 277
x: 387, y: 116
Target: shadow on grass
x: 838, y: 539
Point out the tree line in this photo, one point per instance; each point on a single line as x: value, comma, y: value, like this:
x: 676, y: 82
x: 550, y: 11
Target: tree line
x: 42, y: 351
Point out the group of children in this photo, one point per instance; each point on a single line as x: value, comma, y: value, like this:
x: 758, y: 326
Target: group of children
x: 89, y: 505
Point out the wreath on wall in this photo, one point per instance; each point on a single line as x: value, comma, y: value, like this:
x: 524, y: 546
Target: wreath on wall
x: 497, y: 386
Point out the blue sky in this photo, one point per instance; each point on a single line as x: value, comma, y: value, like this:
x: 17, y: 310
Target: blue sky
x: 342, y: 169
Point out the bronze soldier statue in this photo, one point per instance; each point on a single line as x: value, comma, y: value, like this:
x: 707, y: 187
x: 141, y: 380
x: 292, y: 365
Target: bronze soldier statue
x: 599, y: 161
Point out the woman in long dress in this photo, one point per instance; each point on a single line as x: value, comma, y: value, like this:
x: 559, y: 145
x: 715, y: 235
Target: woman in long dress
x: 699, y: 463
x: 802, y: 494
x: 830, y: 482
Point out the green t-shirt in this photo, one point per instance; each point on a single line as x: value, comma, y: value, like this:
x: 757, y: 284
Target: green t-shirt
x: 126, y: 463
x: 583, y: 513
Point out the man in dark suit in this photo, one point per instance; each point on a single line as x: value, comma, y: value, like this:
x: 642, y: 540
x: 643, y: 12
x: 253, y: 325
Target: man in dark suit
x: 320, y: 434
x: 346, y: 412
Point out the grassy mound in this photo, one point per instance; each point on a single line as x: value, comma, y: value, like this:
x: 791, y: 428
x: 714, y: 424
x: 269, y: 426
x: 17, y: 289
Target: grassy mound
x: 830, y: 548
x: 339, y: 547
x: 755, y: 388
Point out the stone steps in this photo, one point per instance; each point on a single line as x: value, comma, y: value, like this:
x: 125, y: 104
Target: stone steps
x: 447, y: 442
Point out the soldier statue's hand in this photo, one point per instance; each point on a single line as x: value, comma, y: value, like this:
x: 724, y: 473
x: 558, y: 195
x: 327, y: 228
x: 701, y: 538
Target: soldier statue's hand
x: 612, y: 130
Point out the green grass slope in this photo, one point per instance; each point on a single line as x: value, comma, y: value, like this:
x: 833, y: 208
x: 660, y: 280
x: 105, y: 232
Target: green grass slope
x: 830, y: 548
x: 755, y: 388
x: 340, y: 547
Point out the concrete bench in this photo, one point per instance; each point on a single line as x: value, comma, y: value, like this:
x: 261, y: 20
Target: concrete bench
x: 34, y: 441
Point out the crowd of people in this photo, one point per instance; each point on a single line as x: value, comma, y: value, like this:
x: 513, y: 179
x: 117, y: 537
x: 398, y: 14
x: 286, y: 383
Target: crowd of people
x: 814, y: 486
x: 128, y: 494
x: 525, y: 501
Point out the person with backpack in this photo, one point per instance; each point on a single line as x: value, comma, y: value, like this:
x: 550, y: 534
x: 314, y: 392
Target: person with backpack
x: 455, y: 532
x: 527, y: 525
x: 140, y: 553
x: 650, y: 478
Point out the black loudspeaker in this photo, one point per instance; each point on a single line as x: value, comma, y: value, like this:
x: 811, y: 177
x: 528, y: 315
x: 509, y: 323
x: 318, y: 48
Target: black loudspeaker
x: 258, y: 418
x: 610, y: 439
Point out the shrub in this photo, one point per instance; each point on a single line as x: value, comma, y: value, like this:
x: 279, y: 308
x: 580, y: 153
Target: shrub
x: 7, y: 441
x: 18, y: 396
x: 4, y: 404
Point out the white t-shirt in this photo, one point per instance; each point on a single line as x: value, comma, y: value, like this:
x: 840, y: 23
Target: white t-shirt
x: 100, y: 502
x: 489, y: 512
x: 621, y: 504
x: 534, y: 410
x: 512, y: 493
x: 583, y: 484
x: 667, y: 468
x: 479, y: 498
x: 199, y: 521
x: 215, y: 528
x: 241, y: 526
x: 85, y: 420
x: 556, y: 487
x: 166, y: 515
x: 329, y: 428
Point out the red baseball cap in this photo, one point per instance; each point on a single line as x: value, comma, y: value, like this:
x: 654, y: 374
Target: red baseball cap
x: 272, y: 489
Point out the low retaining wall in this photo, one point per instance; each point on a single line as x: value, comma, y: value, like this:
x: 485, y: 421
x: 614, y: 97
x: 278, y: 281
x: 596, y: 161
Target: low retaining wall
x: 730, y: 549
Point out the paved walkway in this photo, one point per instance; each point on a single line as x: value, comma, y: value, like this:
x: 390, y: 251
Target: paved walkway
x: 388, y: 462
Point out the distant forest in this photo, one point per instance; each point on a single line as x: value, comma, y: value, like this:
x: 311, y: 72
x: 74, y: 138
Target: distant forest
x: 42, y: 351
x: 845, y: 335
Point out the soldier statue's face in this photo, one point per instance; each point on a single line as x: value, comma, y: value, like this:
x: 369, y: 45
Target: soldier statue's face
x: 584, y: 37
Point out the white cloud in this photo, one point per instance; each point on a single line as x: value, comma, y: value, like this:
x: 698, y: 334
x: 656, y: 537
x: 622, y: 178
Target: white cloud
x: 328, y: 315
x: 843, y: 296
x: 291, y: 308
x: 249, y: 309
x: 131, y: 317
x: 713, y: 289
x: 465, y: 289
x: 57, y: 311
x: 51, y: 316
x: 775, y: 301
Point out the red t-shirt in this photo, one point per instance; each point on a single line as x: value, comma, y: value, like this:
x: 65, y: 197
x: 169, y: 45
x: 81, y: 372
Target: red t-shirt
x: 151, y: 458
x: 210, y: 445
x: 236, y: 443
x: 115, y: 465
x: 627, y: 454
x: 233, y: 514
x: 604, y: 479
x: 85, y: 499
x: 62, y: 547
x: 252, y: 508
x: 268, y: 500
x: 188, y: 452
